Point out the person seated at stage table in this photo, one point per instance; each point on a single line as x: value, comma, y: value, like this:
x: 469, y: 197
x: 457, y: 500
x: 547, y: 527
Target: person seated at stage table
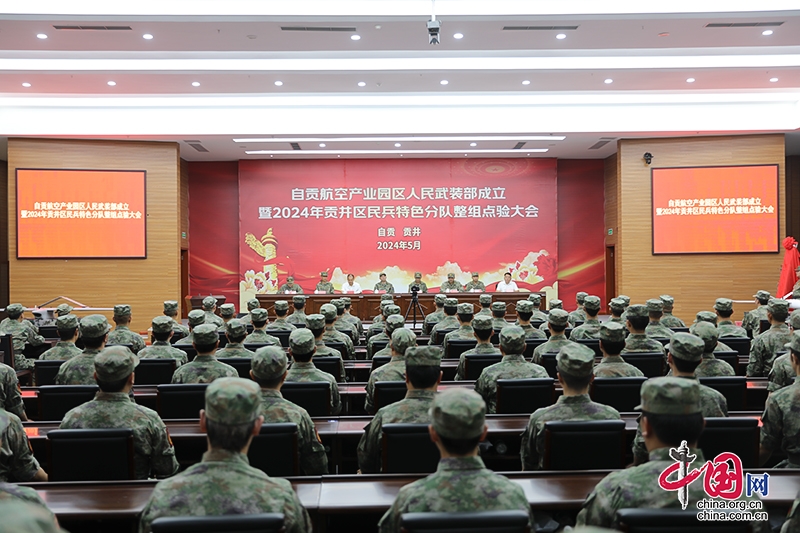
x: 422, y: 376
x: 302, y: 347
x: 383, y: 285
x: 579, y: 314
x: 431, y: 319
x: 21, y: 335
x: 80, y: 369
x: 259, y: 334
x: 482, y: 330
x: 112, y: 408
x: 290, y: 287
x: 351, y: 287
x: 507, y: 285
x: 451, y: 285
x: 668, y: 319
x: 204, y: 368
x: 418, y: 283
x: 17, y: 462
x: 448, y: 322
x: 67, y: 328
x: 196, y: 318
x: 724, y: 309
x: 161, y: 348
x: 298, y: 316
x: 269, y: 368
x: 252, y: 303
x: 461, y: 482
x: 612, y: 341
x: 224, y: 483
x: 280, y: 323
x: 236, y: 332
x: 394, y: 370
x: 324, y: 286
x: 476, y: 285
x: 524, y: 314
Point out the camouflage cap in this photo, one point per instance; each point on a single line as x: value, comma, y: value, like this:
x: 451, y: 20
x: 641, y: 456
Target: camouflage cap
x: 482, y: 323
x: 794, y: 343
x: 235, y: 328
x: 706, y: 316
x: 723, y: 304
x: 253, y: 303
x: 386, y: 303
x: 269, y: 362
x: 475, y: 275
x: 555, y: 303
x: 612, y: 332
x: 439, y: 299
x: 794, y: 319
x: 162, y: 324
x: 387, y: 297
x: 301, y: 341
x: 626, y: 299
x: 65, y: 309
x: 402, y: 340
x: 298, y: 299
x: 670, y: 396
x: 485, y: 299
x: 209, y: 302
x: 259, y: 314
x: 763, y: 296
x: 451, y: 276
x: 338, y: 304
x: 289, y: 279
x: 580, y: 297
x: 535, y: 298
x: 115, y: 363
x: 346, y: 300
x: 466, y: 309
x: 390, y: 310
x: 424, y: 356
x: 70, y: 322
x: 196, y: 317
x: 227, y: 310
x: 654, y: 305
x: 778, y: 307
x: 708, y: 332
x: 512, y: 339
x: 498, y: 306
x: 450, y: 302
x: 558, y: 317
x: 575, y: 359
x: 94, y: 326
x: 393, y: 322
x: 616, y: 304
x: 205, y: 334
x: 417, y: 275
x: 233, y: 401
x: 170, y: 306
x: 280, y: 305
x: 315, y: 321
x: 329, y: 311
x: 667, y: 300
x: 122, y: 311
x: 323, y: 274
x: 524, y: 306
x: 458, y: 414
x: 686, y: 346
x: 382, y: 274
x: 637, y: 310
x: 592, y: 303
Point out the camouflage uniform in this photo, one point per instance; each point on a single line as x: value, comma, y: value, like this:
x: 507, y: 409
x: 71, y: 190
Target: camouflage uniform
x: 330, y: 334
x: 392, y: 323
x: 448, y: 322
x: 342, y: 324
x: 614, y: 366
x: 204, y: 368
x: 227, y: 312
x: 480, y: 323
x: 224, y: 482
x: 395, y: 369
x: 63, y: 350
x: 259, y: 336
x: 252, y: 303
x: 423, y: 288
x: 196, y: 318
x: 557, y: 317
x: 80, y: 369
x: 377, y: 326
x: 641, y: 342
x: 290, y: 285
x: 164, y: 350
x: 10, y: 397
x: 235, y: 329
x: 709, y: 365
x: 525, y: 306
x: 780, y: 425
x: 171, y: 310
x: 280, y: 324
x: 464, y: 331
x: 301, y: 341
x: 122, y: 333
x: 20, y: 336
x: 431, y: 319
x: 351, y: 319
x: 324, y: 285
x: 298, y: 316
x: 451, y: 284
x: 764, y: 348
x: 460, y: 484
x: 658, y: 330
x: 668, y: 319
x: 475, y: 284
x: 512, y: 366
x: 14, y: 492
x: 498, y: 315
x: 17, y: 462
x: 486, y: 305
x: 209, y: 303
x: 728, y: 329
x: 752, y: 319
x: 782, y: 373
x: 384, y: 286
x: 578, y: 315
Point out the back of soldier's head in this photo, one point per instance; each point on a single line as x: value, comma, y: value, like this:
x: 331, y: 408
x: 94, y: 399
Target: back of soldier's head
x: 450, y: 306
x: 423, y: 366
x: 673, y: 409
x: 458, y: 417
x: 232, y: 407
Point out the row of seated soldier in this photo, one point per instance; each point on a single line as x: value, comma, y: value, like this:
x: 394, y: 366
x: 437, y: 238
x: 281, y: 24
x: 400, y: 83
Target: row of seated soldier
x: 573, y: 364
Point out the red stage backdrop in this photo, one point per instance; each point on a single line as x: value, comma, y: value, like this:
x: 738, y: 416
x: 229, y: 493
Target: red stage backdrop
x: 439, y: 216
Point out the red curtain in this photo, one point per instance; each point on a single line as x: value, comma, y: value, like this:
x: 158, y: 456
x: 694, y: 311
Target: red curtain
x: 791, y: 260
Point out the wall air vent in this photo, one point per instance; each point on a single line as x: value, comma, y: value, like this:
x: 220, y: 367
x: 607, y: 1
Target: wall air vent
x: 742, y: 24
x: 538, y: 28
x: 317, y: 28
x: 91, y: 28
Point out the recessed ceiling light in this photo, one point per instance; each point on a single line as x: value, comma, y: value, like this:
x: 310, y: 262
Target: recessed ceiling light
x: 147, y: 36
x: 773, y: 80
x: 362, y: 84
x: 338, y: 156
x: 195, y: 84
x: 458, y: 36
x: 41, y: 36
x: 608, y: 80
x: 473, y: 144
x: 278, y: 83
x: 767, y: 32
x: 377, y: 26
x: 355, y: 37
x: 322, y: 145
x: 561, y: 36
x: 444, y: 82
x: 465, y: 155
x: 112, y: 83
x: 689, y: 80
x: 397, y: 145
x: 26, y: 84
x: 526, y: 82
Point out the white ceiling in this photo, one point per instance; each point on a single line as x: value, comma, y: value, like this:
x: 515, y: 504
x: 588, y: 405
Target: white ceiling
x: 236, y: 50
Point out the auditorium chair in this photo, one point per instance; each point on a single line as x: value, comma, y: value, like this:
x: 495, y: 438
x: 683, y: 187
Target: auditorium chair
x: 128, y: 346
x: 663, y: 340
x: 223, y: 340
x: 328, y: 363
x: 176, y: 401
x: 530, y: 346
x: 456, y: 347
x: 741, y: 345
x: 49, y: 332
x: 253, y: 347
x: 523, y: 396
x: 110, y: 451
x: 176, y: 336
x: 738, y: 435
x: 565, y: 445
x: 442, y: 332
x: 408, y: 449
x: 674, y: 521
x: 594, y: 344
x: 732, y: 358
x: 379, y: 360
x: 650, y: 363
x: 475, y: 363
x: 734, y: 388
x: 477, y: 522
x: 549, y: 364
x: 763, y: 325
x: 313, y: 396
x: 274, y: 450
x: 232, y: 523
x: 379, y: 345
x: 536, y: 324
x: 56, y: 400
x: 241, y: 364
x: 281, y: 334
x: 620, y: 393
x: 153, y: 371
x: 7, y: 347
x: 45, y: 371
x: 678, y: 329
x: 578, y: 323
x: 191, y: 353
x: 337, y: 346
x: 388, y: 392
x: 496, y: 336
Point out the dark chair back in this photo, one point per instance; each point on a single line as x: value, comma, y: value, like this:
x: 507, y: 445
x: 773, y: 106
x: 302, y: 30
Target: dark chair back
x: 674, y: 521
x: 49, y: 332
x: 567, y: 332
x: 663, y: 340
x: 56, y: 400
x: 230, y: 523
x: 734, y: 388
x: 128, y: 346
x: 46, y: 371
x: 523, y: 396
x: 650, y: 363
x: 181, y: 400
x: 739, y: 435
x: 241, y: 364
x: 594, y: 344
x: 387, y: 392
x: 223, y: 340
x: 330, y: 364
x: 379, y: 345
x: 677, y: 329
x: 281, y: 334
x: 110, y: 450
x: 620, y: 393
x: 154, y: 371
x: 176, y: 336
x: 274, y: 450
x: 475, y: 363
x: 337, y: 346
x: 379, y: 361
x: 536, y: 324
x: 7, y: 347
x: 456, y: 347
x: 530, y: 346
x: 408, y: 449
x: 578, y: 323
x: 254, y: 346
x: 313, y: 396
x: 740, y: 344
x: 191, y: 353
x: 549, y: 364
x: 763, y: 325
x: 478, y: 522
x: 732, y: 358
x: 565, y: 445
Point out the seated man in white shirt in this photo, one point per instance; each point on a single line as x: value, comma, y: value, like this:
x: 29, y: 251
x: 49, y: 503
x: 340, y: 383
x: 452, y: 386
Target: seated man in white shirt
x: 351, y: 287
x: 507, y: 285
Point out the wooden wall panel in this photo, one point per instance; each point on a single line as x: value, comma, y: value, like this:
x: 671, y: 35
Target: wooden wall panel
x: 694, y: 281
x: 142, y: 283
x: 793, y: 196
x: 184, y: 205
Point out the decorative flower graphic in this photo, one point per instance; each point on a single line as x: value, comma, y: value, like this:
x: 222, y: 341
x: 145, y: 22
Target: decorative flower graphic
x: 548, y: 267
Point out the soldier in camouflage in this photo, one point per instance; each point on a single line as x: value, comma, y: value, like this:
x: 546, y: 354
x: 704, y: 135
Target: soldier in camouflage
x: 557, y: 321
x: 422, y: 377
x: 302, y: 348
x: 236, y: 332
x: 64, y: 309
x: 752, y: 319
x: 655, y: 309
x: 112, y: 408
x: 383, y: 285
x: 617, y: 307
x: 395, y: 369
x: 342, y: 324
x: 17, y: 462
x: 67, y: 327
x: 538, y: 316
x: 482, y: 329
x: 476, y: 285
x: 418, y: 283
x: 668, y: 319
x: 524, y: 315
x: 431, y: 319
x: 710, y: 366
x: 316, y: 324
x: 161, y: 348
x: 499, y: 315
x: 196, y: 318
x: 639, y: 340
x: 578, y: 315
x: 227, y: 312
x: 512, y: 366
x: 290, y: 287
x: 27, y: 323
x: 26, y: 501
x: 224, y: 483
x: 461, y: 483
x: 351, y: 318
x: 253, y: 303
x: 298, y: 316
x: 464, y: 314
x: 612, y: 341
x: 10, y: 396
x: 590, y: 329
x: 386, y: 299
x: 209, y: 308
x: 765, y: 347
x: 780, y: 427
x: 171, y: 310
x: 80, y: 369
x: 726, y: 327
x: 627, y: 302
x: 711, y: 318
x: 392, y: 323
x: 280, y: 323
x: 259, y: 334
x: 485, y: 301
x: 449, y: 322
x: 451, y: 285
x: 122, y: 333
x: 204, y: 368
x: 324, y: 286
x: 331, y: 335
x: 21, y: 335
x: 269, y: 368
x: 782, y: 373
x: 574, y: 363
